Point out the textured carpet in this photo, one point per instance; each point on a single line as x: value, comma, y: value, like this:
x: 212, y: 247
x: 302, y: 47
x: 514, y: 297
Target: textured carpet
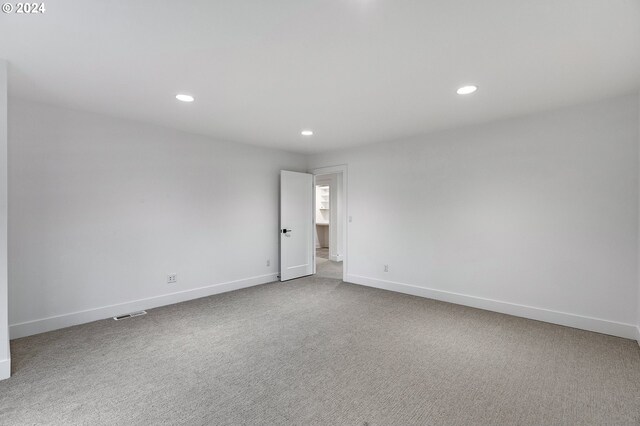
x: 318, y: 351
x: 326, y: 268
x: 322, y: 252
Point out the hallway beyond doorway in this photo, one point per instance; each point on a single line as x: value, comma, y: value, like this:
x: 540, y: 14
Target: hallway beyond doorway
x: 327, y: 268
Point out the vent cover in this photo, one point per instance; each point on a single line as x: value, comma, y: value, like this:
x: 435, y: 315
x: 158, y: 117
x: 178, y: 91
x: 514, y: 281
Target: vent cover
x: 131, y: 315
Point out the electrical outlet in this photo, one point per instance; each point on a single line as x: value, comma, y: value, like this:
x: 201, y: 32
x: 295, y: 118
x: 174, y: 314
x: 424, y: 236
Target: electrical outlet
x: 172, y: 278
x: 268, y: 262
x: 386, y: 268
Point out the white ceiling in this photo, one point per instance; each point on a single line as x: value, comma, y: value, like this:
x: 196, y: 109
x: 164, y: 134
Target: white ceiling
x: 354, y: 71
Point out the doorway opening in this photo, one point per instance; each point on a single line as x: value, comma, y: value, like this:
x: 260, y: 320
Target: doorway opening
x: 329, y: 225
x: 301, y: 224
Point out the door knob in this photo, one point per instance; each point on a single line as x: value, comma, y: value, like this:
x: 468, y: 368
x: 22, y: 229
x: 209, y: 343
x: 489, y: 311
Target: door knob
x: 284, y: 231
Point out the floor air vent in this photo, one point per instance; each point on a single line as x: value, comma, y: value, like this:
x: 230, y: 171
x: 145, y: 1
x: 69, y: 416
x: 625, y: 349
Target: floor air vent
x: 131, y: 315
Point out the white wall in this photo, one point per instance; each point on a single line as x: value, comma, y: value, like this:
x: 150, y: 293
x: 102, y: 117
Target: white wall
x: 103, y: 209
x: 5, y: 355
x: 535, y: 216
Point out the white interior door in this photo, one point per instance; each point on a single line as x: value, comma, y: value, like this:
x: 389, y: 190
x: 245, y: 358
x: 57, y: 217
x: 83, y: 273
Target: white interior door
x: 296, y: 225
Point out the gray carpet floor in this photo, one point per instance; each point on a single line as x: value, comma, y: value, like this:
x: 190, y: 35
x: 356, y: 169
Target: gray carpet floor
x: 326, y: 268
x: 319, y: 351
x: 322, y: 252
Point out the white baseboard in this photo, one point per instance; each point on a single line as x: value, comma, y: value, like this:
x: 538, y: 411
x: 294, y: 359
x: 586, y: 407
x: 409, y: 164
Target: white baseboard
x: 5, y: 369
x: 613, y: 328
x: 29, y: 328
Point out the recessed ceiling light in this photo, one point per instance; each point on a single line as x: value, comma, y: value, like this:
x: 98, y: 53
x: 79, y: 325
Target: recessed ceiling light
x: 465, y: 90
x: 307, y: 133
x: 184, y: 98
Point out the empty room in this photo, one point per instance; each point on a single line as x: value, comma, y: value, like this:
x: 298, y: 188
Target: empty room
x: 320, y: 212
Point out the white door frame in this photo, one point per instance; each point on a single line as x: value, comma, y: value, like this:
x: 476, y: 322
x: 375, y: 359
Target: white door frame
x: 342, y: 168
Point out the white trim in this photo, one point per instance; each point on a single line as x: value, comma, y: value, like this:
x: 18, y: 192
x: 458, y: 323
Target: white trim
x: 613, y: 328
x: 5, y: 369
x: 341, y: 168
x: 316, y: 238
x: 29, y: 328
x: 638, y: 335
